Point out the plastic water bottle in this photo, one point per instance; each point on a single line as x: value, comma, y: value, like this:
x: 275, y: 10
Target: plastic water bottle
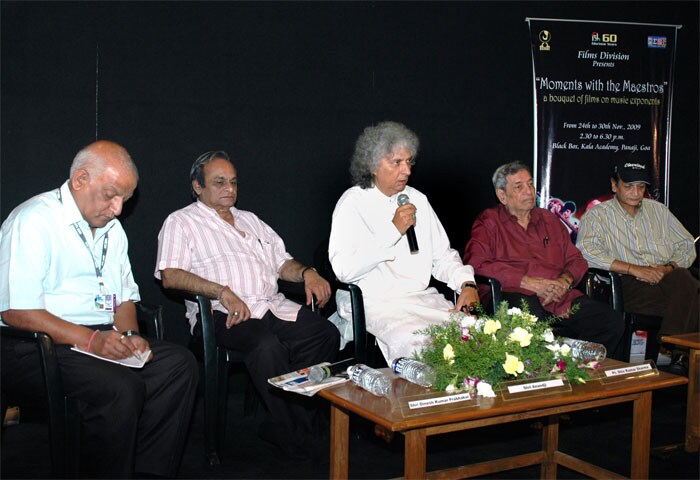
x: 414, y: 371
x: 586, y: 351
x: 372, y: 380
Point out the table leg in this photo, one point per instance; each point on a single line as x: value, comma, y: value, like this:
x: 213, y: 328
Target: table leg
x: 692, y: 420
x: 550, y: 444
x: 340, y: 428
x: 414, y: 455
x: 641, y: 434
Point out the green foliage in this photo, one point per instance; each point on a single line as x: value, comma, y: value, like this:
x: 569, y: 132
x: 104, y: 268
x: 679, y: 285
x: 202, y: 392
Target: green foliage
x: 480, y: 349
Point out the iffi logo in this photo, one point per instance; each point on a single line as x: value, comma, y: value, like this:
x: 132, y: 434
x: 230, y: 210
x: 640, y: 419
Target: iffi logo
x: 604, y: 39
x: 656, y: 42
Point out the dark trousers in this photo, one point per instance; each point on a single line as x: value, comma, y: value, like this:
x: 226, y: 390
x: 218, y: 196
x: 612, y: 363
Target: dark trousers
x: 594, y: 321
x: 131, y: 419
x: 273, y: 347
x: 674, y: 298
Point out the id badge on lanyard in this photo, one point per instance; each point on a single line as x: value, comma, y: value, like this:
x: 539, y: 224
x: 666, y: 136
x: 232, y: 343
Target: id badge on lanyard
x: 104, y: 301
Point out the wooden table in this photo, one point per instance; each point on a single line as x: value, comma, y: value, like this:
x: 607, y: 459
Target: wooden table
x: 385, y: 412
x: 692, y: 419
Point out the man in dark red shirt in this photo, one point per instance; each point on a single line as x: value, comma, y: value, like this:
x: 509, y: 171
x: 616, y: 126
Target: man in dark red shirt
x: 530, y: 252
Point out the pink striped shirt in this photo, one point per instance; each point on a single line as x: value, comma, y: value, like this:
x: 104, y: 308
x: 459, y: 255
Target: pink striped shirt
x: 196, y: 239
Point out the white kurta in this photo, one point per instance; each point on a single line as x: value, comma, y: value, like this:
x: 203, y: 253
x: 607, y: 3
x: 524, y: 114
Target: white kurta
x: 366, y: 249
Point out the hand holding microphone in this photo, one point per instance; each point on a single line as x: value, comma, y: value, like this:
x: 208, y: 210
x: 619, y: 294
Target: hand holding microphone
x: 411, y: 231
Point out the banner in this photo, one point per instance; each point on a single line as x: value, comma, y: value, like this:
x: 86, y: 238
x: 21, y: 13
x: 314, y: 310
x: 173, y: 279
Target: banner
x: 602, y: 93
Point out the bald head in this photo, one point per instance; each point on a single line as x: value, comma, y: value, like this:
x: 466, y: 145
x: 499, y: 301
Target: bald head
x: 102, y: 178
x: 95, y: 157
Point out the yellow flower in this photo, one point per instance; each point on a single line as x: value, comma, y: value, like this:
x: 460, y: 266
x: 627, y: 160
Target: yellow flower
x: 491, y: 326
x: 521, y: 336
x: 448, y: 353
x: 513, y: 365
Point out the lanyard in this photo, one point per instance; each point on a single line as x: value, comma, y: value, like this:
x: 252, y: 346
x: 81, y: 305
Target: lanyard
x: 105, y: 244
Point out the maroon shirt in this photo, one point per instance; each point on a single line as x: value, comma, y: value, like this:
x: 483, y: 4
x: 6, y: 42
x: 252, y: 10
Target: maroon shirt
x: 499, y: 247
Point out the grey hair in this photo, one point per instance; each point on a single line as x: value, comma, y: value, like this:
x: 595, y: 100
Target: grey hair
x: 92, y: 159
x: 499, y: 176
x: 197, y: 169
x: 374, y: 144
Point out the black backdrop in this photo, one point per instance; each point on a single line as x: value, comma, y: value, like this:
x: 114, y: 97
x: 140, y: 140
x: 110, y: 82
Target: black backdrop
x: 286, y: 88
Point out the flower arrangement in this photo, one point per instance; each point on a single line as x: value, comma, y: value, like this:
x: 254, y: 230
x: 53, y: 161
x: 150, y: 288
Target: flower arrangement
x: 470, y: 353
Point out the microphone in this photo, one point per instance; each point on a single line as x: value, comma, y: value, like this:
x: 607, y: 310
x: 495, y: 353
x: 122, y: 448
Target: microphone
x: 318, y: 373
x: 411, y: 232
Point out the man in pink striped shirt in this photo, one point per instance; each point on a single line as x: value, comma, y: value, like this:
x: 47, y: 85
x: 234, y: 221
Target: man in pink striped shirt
x: 210, y: 247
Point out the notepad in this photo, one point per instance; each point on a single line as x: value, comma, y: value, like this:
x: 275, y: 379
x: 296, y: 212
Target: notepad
x: 132, y: 361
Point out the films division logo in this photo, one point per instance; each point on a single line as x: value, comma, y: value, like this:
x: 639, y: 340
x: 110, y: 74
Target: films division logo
x: 545, y: 37
x: 656, y: 42
x: 604, y: 39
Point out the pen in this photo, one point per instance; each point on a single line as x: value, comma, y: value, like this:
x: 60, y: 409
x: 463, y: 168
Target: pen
x: 137, y: 354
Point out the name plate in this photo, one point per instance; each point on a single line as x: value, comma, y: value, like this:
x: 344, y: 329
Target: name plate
x: 629, y: 372
x: 436, y: 402
x: 433, y: 402
x: 532, y: 387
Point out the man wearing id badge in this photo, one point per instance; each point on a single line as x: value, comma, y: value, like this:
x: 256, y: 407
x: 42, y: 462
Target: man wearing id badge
x: 65, y: 270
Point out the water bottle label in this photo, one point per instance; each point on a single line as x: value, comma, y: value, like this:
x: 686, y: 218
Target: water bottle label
x: 356, y: 372
x: 399, y: 364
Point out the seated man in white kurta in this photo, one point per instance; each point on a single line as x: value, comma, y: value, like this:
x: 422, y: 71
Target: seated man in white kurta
x: 369, y: 247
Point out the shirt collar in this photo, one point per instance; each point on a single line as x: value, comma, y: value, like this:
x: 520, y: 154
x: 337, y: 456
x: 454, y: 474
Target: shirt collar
x: 210, y: 211
x: 505, y: 215
x: 392, y: 199
x: 619, y: 209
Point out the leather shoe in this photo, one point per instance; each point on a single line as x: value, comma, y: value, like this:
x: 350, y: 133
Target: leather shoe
x: 679, y: 365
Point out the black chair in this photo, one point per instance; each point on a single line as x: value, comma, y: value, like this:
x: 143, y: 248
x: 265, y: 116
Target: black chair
x: 364, y: 343
x: 606, y: 286
x: 60, y: 410
x: 218, y: 362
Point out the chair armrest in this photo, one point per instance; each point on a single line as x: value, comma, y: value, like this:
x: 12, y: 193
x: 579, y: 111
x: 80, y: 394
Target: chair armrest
x: 150, y: 319
x: 494, y: 287
x: 613, y: 279
x: 295, y: 291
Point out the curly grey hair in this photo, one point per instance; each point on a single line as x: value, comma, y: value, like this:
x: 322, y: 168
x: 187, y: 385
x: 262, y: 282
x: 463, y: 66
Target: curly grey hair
x: 197, y: 169
x: 499, y: 176
x: 374, y: 144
